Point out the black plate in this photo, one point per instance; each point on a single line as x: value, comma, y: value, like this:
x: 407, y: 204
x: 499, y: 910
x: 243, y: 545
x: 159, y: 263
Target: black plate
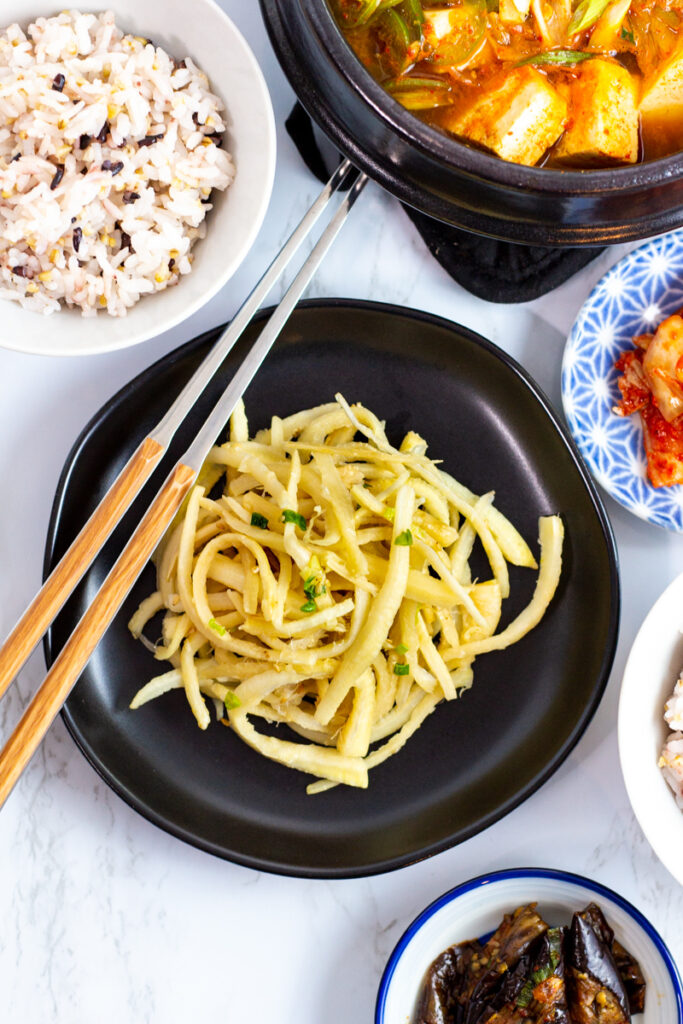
x: 474, y: 759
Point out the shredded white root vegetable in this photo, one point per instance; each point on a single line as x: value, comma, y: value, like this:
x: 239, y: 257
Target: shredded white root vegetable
x: 327, y: 588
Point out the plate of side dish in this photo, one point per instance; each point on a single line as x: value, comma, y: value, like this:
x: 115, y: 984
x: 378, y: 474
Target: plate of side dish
x: 650, y: 724
x: 532, y: 944
x: 519, y: 710
x: 630, y: 435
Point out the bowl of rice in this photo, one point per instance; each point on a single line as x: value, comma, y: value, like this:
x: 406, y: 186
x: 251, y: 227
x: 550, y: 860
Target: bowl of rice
x: 137, y: 153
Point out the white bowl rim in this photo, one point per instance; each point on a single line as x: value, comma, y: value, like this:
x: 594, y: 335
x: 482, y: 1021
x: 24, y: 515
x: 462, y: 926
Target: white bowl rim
x: 514, y: 873
x: 231, y: 266
x: 663, y: 853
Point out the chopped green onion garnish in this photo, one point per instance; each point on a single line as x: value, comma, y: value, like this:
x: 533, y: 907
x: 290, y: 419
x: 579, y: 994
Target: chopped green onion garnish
x: 557, y: 57
x: 628, y: 36
x: 401, y: 649
x: 524, y: 997
x: 414, y: 17
x: 405, y: 539
x: 309, y: 607
x: 400, y: 669
x: 542, y: 974
x: 586, y: 14
x: 555, y: 942
x: 217, y: 627
x: 311, y: 588
x: 259, y: 520
x: 231, y: 701
x: 406, y: 82
x: 389, y: 513
x: 290, y: 516
x: 397, y: 32
x: 420, y: 93
x: 423, y: 99
x: 369, y: 10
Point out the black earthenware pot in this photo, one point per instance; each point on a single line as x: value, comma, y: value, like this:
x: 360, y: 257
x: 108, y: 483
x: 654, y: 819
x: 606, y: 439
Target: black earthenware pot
x: 449, y: 180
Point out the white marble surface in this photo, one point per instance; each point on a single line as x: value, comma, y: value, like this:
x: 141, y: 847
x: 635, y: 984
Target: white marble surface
x: 104, y: 918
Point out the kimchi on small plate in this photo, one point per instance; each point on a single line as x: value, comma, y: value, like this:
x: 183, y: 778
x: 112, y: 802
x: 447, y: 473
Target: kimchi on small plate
x: 630, y: 301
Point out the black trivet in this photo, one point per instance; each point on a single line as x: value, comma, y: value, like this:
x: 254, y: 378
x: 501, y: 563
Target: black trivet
x: 492, y: 270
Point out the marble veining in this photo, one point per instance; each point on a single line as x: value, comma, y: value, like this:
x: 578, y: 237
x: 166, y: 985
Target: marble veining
x: 106, y: 919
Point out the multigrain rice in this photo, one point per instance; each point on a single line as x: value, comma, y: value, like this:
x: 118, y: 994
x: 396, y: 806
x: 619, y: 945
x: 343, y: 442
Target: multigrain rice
x: 109, y: 152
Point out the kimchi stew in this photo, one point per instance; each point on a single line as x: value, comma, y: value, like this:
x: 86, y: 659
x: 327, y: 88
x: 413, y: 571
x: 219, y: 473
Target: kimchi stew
x: 546, y: 82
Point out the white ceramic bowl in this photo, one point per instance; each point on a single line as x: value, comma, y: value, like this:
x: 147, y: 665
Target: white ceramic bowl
x: 201, y: 30
x: 476, y: 908
x: 653, y: 666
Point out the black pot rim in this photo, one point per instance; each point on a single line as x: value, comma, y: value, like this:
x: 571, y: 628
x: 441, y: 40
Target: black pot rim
x: 457, y: 155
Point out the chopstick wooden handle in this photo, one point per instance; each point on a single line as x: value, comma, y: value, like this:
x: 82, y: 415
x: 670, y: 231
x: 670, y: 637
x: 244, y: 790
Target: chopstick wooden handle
x: 59, y: 681
x: 64, y: 577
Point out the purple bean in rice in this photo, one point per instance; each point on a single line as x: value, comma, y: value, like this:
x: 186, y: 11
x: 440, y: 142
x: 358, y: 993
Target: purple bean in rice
x: 59, y: 174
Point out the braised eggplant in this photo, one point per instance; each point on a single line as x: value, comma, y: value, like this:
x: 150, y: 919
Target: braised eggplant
x: 530, y: 973
x: 632, y: 977
x: 597, y: 994
x: 508, y: 944
x: 499, y: 1000
x: 544, y: 995
x: 533, y: 991
x: 498, y: 982
x: 628, y: 967
x: 441, y: 992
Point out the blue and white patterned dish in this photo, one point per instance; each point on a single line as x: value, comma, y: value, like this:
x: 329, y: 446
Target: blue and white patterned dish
x: 632, y: 298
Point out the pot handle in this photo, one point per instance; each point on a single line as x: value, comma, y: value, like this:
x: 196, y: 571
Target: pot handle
x: 300, y: 130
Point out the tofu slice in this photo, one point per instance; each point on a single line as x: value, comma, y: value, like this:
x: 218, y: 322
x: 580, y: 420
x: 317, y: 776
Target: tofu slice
x: 603, y: 115
x: 514, y: 12
x: 518, y: 119
x: 437, y: 22
x: 663, y: 90
x: 454, y: 34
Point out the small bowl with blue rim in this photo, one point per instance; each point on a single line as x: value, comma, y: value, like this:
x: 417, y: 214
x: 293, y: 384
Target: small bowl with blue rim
x: 476, y: 908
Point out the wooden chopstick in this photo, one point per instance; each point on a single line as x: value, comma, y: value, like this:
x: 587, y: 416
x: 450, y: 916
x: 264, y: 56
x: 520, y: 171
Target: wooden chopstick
x: 75, y: 654
x: 57, y: 685
x: 73, y: 565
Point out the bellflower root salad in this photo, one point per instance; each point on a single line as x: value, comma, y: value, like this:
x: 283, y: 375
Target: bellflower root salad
x: 327, y: 587
x: 109, y: 151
